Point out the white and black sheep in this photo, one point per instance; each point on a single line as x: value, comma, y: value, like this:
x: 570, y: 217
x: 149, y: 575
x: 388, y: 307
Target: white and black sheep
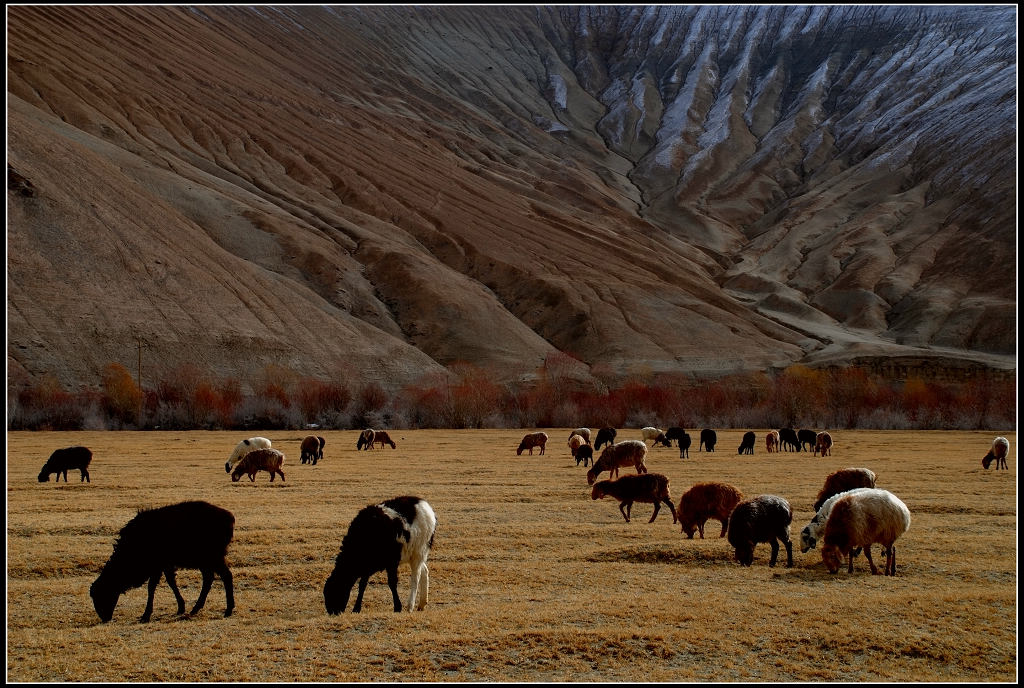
x: 382, y: 537
x: 708, y: 440
x: 365, y: 440
x: 531, y: 440
x: 312, y: 449
x: 63, y: 460
x: 243, y: 448
x: 843, y: 480
x: 765, y: 518
x: 575, y: 442
x: 625, y: 453
x: 649, y: 488
x: 269, y: 460
x: 188, y: 535
x: 998, y: 452
x: 814, y: 530
x: 747, y: 444
x: 704, y: 501
x: 859, y: 520
x: 604, y: 436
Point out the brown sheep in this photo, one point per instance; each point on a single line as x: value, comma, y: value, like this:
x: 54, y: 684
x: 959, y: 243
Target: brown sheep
x: 823, y: 444
x: 842, y: 481
x: 269, y: 460
x: 384, y: 438
x: 531, y: 440
x: 772, y: 441
x: 649, y: 488
x: 704, y: 501
x: 312, y: 449
x: 625, y: 453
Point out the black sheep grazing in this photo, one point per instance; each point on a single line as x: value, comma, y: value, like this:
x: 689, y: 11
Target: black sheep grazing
x: 188, y: 535
x: 788, y: 439
x: 761, y: 519
x: 708, y: 440
x: 747, y: 445
x: 63, y: 460
x: 312, y: 449
x: 684, y: 446
x: 380, y: 538
x: 604, y: 436
x: 585, y: 453
x: 807, y: 438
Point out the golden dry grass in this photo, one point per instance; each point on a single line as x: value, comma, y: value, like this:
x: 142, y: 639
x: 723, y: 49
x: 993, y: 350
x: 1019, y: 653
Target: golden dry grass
x: 530, y: 579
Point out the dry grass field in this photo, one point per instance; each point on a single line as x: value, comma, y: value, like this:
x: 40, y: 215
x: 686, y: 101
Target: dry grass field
x: 530, y: 579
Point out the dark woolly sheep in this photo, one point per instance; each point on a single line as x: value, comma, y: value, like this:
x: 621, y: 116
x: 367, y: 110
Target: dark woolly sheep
x: 762, y: 519
x: 649, y: 488
x: 383, y: 438
x: 269, y: 460
x: 704, y: 501
x: 708, y: 440
x: 684, y: 446
x: 585, y: 454
x: 747, y: 445
x: 807, y: 439
x: 63, y: 460
x: 189, y: 535
x: 604, y: 436
x: 312, y: 449
x: 381, y: 538
x: 531, y: 440
x: 843, y: 480
x: 789, y: 440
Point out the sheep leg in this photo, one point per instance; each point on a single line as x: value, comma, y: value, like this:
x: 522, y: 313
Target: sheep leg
x: 624, y: 510
x: 725, y: 527
x: 207, y: 584
x: 775, y: 552
x: 789, y: 553
x: 418, y: 589
x: 359, y: 596
x: 393, y: 584
x: 85, y: 476
x: 169, y: 575
x: 153, y: 581
x: 657, y: 507
x: 867, y: 553
x: 281, y: 473
x: 229, y: 587
x: 671, y: 509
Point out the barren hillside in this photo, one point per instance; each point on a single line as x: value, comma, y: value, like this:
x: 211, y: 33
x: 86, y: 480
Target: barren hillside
x: 385, y: 191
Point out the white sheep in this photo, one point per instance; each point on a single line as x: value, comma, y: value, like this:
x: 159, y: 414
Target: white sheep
x: 1000, y: 448
x: 243, y: 448
x: 813, y: 531
x: 575, y: 442
x: 582, y: 432
x: 860, y: 520
x: 649, y: 488
x: 626, y: 453
x: 659, y: 437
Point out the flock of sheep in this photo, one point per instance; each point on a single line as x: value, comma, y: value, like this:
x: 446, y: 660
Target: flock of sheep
x: 851, y: 515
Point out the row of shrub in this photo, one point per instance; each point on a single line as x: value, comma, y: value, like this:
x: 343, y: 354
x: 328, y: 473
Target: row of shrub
x: 471, y: 398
